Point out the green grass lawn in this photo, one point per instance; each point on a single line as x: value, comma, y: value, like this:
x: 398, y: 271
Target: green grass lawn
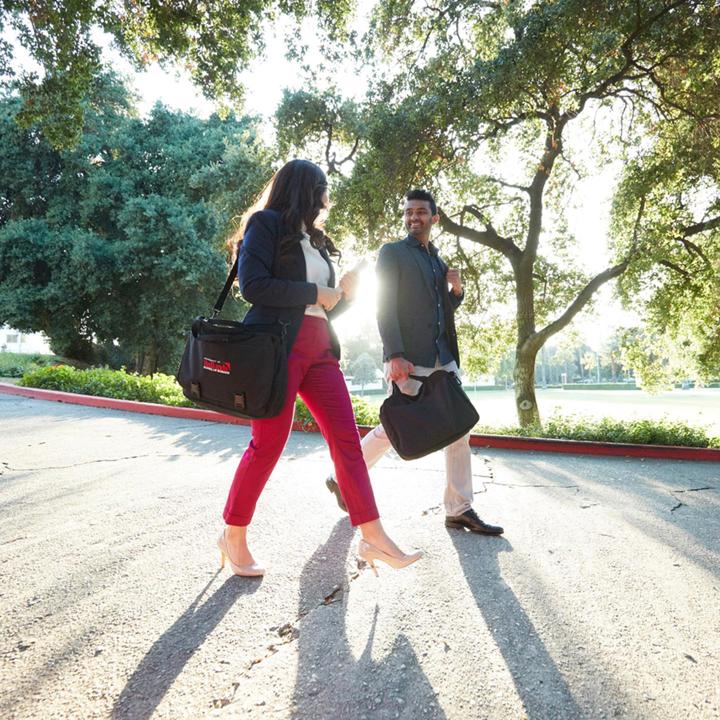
x: 699, y: 407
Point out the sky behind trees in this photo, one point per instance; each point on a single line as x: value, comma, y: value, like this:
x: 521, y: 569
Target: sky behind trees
x: 264, y: 81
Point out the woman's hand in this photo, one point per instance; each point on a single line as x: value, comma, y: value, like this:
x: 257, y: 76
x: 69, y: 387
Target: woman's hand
x: 349, y: 284
x: 328, y: 297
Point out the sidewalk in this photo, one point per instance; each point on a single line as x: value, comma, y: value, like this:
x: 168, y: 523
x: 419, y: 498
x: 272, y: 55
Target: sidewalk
x: 601, y: 600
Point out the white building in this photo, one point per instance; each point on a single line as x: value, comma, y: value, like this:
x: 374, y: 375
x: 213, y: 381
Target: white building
x: 12, y: 340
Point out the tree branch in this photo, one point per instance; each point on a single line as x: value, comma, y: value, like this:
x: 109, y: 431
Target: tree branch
x: 498, y: 126
x: 695, y: 229
x: 489, y: 238
x: 676, y: 268
x: 539, y: 338
x: 702, y: 226
x: 524, y: 188
x: 601, y: 90
x: 553, y: 147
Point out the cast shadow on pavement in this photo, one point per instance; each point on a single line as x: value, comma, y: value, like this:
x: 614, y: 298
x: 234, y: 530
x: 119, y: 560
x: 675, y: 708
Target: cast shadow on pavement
x: 538, y: 681
x: 331, y: 683
x: 166, y: 659
x: 650, y: 491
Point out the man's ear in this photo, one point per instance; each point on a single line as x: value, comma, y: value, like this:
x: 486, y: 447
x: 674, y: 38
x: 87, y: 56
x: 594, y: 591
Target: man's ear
x: 435, y: 218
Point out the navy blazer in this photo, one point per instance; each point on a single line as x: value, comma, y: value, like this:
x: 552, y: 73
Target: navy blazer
x: 276, y: 285
x: 407, y: 310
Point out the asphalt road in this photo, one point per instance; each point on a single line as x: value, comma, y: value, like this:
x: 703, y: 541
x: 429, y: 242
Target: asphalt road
x: 602, y: 600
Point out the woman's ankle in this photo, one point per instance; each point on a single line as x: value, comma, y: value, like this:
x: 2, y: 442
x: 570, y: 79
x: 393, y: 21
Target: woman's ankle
x: 375, y: 534
x: 235, y: 533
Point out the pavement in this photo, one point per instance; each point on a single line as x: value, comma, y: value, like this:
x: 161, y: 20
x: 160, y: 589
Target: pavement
x: 602, y: 599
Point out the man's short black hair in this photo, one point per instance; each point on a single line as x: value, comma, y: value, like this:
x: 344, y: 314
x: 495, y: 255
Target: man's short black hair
x: 418, y: 194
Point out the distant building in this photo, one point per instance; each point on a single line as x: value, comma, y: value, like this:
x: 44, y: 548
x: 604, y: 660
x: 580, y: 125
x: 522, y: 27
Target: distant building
x: 12, y: 340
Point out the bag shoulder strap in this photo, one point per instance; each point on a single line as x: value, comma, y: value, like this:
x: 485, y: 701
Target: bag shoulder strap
x: 224, y: 292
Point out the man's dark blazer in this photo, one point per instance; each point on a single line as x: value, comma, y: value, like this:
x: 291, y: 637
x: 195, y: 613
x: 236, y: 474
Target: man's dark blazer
x: 407, y: 311
x: 276, y: 285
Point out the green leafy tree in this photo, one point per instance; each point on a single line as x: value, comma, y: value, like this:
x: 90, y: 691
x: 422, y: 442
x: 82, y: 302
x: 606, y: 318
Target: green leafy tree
x: 110, y: 248
x: 364, y: 370
x: 367, y: 342
x: 212, y: 39
x: 648, y: 357
x: 498, y: 107
x: 673, y: 187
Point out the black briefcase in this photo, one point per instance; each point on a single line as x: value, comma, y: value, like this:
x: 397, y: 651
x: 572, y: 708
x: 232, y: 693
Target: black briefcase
x: 437, y: 416
x: 234, y: 368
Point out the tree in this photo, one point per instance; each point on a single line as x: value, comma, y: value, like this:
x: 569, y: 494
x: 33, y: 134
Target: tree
x: 676, y: 179
x: 112, y: 247
x: 367, y: 342
x: 212, y: 39
x: 364, y: 371
x: 473, y: 91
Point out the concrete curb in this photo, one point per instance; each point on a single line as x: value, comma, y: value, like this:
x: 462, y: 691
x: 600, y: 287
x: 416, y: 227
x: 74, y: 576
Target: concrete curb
x: 577, y: 447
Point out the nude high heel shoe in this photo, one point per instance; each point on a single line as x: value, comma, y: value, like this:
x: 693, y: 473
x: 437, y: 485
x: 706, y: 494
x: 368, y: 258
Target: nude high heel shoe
x: 253, y: 570
x: 369, y: 553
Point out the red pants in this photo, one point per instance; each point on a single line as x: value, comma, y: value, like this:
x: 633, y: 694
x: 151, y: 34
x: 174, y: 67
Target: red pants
x: 314, y: 372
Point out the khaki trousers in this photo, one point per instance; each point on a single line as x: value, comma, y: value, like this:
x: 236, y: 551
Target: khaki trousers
x: 458, y: 495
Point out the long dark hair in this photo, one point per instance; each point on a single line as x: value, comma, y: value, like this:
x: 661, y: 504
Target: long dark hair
x: 295, y: 191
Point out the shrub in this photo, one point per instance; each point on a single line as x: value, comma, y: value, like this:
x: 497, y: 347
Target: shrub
x: 642, y: 431
x: 598, y: 386
x: 158, y: 388
x: 365, y: 413
x: 15, y: 365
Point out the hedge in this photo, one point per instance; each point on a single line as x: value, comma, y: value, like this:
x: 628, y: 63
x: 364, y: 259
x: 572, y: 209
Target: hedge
x: 158, y: 388
x: 163, y: 389
x: 637, y: 431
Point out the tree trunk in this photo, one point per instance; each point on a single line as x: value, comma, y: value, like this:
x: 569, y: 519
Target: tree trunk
x: 149, y: 361
x: 525, y: 401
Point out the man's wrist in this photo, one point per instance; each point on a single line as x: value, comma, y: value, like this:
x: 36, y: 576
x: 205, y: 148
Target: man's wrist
x: 396, y: 355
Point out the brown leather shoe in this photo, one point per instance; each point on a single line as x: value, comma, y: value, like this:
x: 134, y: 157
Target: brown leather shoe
x: 332, y: 486
x: 473, y: 523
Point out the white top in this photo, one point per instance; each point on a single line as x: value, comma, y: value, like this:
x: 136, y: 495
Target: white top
x: 318, y: 272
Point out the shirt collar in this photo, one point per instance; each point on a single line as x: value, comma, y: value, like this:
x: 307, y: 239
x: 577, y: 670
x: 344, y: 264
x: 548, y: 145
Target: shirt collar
x: 414, y: 242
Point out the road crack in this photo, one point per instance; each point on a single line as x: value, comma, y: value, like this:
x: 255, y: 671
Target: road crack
x: 680, y: 503
x: 289, y: 632
x: 91, y: 462
x: 697, y: 489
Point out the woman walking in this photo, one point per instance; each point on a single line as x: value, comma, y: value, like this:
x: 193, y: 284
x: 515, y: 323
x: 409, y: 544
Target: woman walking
x: 286, y: 274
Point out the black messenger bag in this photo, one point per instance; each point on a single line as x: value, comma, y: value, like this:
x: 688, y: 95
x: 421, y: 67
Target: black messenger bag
x: 437, y: 416
x: 233, y: 368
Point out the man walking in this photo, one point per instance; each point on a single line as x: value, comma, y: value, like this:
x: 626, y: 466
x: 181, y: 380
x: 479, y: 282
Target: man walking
x: 417, y: 327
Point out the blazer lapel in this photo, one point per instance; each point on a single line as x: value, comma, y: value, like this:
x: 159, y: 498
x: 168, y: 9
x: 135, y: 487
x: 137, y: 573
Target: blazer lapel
x: 419, y: 260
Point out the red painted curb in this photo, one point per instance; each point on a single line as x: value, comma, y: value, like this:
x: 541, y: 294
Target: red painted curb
x: 114, y: 404
x: 589, y: 447
x: 577, y: 447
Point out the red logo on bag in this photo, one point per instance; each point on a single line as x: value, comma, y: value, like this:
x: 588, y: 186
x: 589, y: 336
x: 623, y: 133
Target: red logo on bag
x: 218, y: 366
